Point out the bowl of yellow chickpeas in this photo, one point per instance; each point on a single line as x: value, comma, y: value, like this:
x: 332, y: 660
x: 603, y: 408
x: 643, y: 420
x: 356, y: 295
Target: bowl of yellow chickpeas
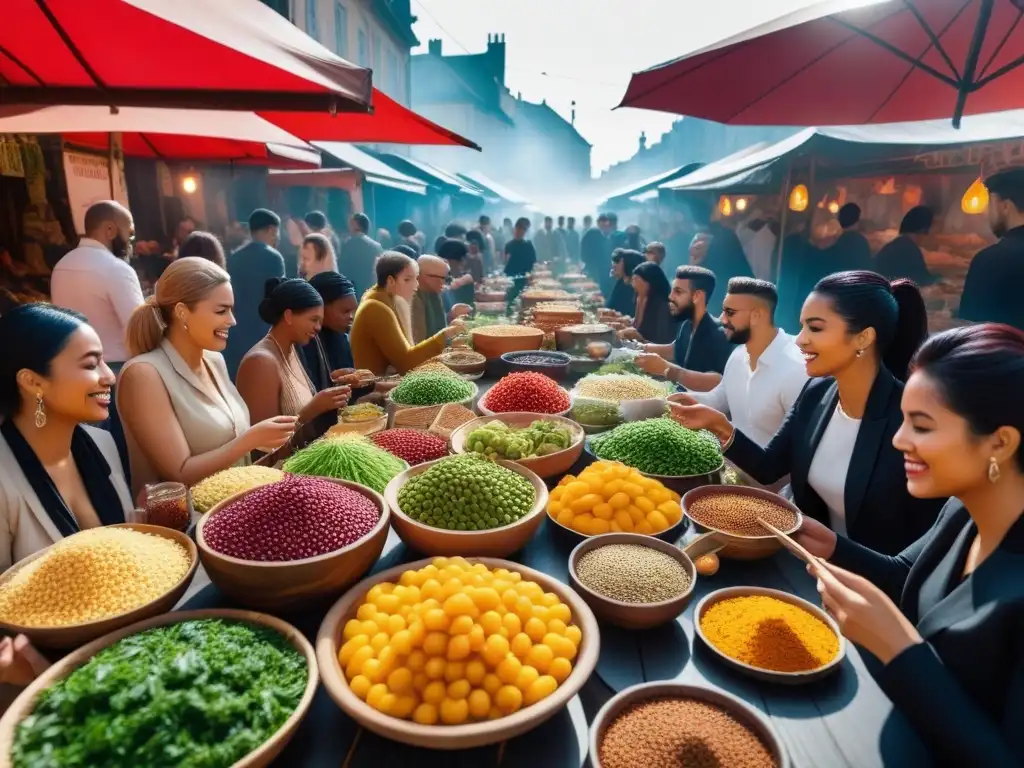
x: 610, y: 497
x: 454, y: 653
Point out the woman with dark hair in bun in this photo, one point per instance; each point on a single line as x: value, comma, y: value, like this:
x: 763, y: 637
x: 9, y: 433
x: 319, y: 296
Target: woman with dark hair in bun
x: 944, y: 616
x: 859, y: 333
x: 329, y: 354
x: 271, y: 377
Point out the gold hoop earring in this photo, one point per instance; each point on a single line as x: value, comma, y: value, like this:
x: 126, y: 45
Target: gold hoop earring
x: 40, y: 411
x: 994, y: 473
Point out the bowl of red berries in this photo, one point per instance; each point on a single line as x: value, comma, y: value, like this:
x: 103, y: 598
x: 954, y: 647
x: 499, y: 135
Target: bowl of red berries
x: 525, y: 392
x: 413, y: 446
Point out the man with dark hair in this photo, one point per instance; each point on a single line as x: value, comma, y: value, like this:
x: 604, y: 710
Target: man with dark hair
x: 902, y: 256
x: 851, y: 249
x: 548, y: 242
x: 655, y: 252
x: 618, y: 238
x: 250, y: 267
x: 490, y: 244
x: 701, y: 349
x: 520, y: 258
x: 407, y: 237
x: 572, y: 239
x: 992, y: 289
x: 476, y: 244
x: 595, y: 250
x: 455, y: 231
x: 359, y: 254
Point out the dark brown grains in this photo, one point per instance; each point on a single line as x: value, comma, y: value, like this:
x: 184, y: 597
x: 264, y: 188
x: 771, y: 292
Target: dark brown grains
x: 737, y: 514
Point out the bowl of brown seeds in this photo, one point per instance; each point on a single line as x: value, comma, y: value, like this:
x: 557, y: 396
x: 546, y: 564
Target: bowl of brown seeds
x: 672, y: 725
x: 731, y: 512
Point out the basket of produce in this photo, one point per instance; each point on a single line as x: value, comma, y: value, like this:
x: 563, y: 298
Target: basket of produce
x: 665, y: 450
x: 548, y: 446
x: 218, y: 687
x: 671, y: 725
x: 352, y: 458
x: 465, y: 362
x: 431, y: 388
x: 595, y: 416
x: 95, y: 581
x: 467, y: 505
x: 731, y: 512
x: 531, y: 658
x: 525, y: 392
x: 206, y: 494
x: 805, y: 644
x: 293, y: 542
x: 554, y: 365
x: 413, y: 446
x: 575, y: 338
x: 362, y: 419
x: 492, y: 341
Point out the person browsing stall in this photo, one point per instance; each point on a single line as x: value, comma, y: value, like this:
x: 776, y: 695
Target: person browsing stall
x: 428, y: 303
x: 316, y: 255
x: 652, y: 317
x: 902, y: 257
x: 622, y: 298
x: 944, y: 616
x: 700, y: 350
x: 329, y: 354
x: 359, y: 254
x: 858, y: 335
x: 520, y: 258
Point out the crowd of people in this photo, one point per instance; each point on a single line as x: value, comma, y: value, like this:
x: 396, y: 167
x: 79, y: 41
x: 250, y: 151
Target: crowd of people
x: 902, y: 451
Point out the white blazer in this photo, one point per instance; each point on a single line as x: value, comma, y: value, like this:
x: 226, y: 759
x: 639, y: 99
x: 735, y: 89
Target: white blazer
x: 25, y: 527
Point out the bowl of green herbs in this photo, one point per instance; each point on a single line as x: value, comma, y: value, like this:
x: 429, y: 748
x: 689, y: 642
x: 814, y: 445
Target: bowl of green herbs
x: 211, y: 688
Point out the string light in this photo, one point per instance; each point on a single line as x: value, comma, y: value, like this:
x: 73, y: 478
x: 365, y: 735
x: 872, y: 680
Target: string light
x: 189, y: 185
x: 741, y: 204
x: 975, y: 199
x: 725, y: 206
x: 833, y: 207
x: 799, y: 198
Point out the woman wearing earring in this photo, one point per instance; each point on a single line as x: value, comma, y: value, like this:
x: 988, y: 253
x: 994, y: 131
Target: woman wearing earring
x: 945, y: 615
x: 184, y: 418
x: 859, y: 332
x: 271, y: 377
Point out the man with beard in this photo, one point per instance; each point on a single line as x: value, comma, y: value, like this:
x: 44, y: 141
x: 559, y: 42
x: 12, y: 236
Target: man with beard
x: 701, y: 349
x: 992, y: 289
x: 96, y: 280
x: 766, y: 374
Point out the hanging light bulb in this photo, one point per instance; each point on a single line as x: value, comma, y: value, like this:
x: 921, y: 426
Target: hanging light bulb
x: 975, y: 199
x: 741, y: 204
x: 725, y: 206
x: 833, y: 207
x: 798, y: 198
x: 189, y: 185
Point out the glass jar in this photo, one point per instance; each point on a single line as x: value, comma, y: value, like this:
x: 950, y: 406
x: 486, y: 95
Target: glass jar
x: 167, y: 505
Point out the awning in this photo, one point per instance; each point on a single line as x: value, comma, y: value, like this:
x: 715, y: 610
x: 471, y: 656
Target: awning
x: 170, y: 53
x: 374, y: 171
x: 495, y: 189
x: 429, y: 174
x: 628, y: 193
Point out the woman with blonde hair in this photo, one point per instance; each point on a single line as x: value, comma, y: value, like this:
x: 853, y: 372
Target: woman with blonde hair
x: 382, y: 329
x: 316, y: 256
x: 183, y: 417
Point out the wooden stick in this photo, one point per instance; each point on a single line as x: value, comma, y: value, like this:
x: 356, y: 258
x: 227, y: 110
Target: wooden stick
x: 789, y: 543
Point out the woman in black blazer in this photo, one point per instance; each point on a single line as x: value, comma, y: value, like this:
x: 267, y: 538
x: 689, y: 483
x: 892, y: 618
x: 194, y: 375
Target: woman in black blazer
x: 953, y: 651
x: 836, y: 444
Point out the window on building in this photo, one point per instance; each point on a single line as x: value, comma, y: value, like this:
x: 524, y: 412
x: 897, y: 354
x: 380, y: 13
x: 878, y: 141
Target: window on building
x: 378, y: 55
x: 311, y: 29
x: 364, y: 55
x: 393, y: 78
x: 341, y: 30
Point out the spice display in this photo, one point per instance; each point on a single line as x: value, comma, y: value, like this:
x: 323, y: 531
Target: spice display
x: 595, y: 413
x: 455, y: 642
x: 768, y: 633
x: 502, y: 331
x: 463, y: 357
x: 92, y: 575
x: 706, y: 565
x: 676, y: 732
x: 467, y: 493
x: 660, y: 447
x: 417, y: 418
x: 432, y: 389
x: 737, y: 514
x: 588, y: 328
x: 608, y: 497
x: 450, y: 418
x: 542, y: 294
x: 294, y: 519
x: 347, y: 457
x: 198, y: 693
x: 410, y: 445
x: 621, y: 387
x: 527, y: 392
x: 167, y: 505
x: 226, y: 483
x: 497, y: 440
x: 355, y: 414
x: 433, y: 366
x: 557, y: 307
x: 632, y: 573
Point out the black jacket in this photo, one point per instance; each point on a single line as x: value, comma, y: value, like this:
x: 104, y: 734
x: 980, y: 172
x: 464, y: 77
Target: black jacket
x: 880, y: 512
x: 992, y: 288
x: 963, y: 687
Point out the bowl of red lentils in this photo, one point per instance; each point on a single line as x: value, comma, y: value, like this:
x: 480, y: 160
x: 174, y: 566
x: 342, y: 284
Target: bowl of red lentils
x: 731, y: 512
x: 673, y: 725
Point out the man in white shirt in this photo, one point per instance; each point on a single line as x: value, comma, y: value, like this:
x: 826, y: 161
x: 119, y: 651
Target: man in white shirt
x: 96, y: 280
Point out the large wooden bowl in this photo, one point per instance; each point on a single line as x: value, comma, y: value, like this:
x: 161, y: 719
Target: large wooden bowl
x: 638, y: 694
x: 74, y: 635
x: 788, y: 678
x: 263, y: 756
x: 543, y: 466
x: 292, y: 583
x: 493, y: 347
x: 495, y: 542
x: 328, y: 643
x: 741, y: 547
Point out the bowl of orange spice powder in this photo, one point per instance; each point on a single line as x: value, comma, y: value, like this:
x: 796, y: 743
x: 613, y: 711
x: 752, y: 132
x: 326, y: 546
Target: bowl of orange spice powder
x: 770, y: 635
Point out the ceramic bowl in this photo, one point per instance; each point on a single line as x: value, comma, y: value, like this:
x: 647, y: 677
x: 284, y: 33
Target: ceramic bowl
x: 553, y: 464
x: 493, y: 347
x: 556, y: 368
x: 741, y: 547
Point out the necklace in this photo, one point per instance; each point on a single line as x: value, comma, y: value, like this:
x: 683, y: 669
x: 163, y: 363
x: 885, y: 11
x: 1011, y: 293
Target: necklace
x: 290, y: 372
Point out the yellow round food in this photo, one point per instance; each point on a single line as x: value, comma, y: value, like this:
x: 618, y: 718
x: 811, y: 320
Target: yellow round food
x: 455, y: 642
x: 608, y: 496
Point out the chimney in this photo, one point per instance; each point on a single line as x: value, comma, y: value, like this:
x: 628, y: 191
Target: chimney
x: 573, y: 121
x: 496, y: 56
x: 434, y: 47
x: 643, y: 141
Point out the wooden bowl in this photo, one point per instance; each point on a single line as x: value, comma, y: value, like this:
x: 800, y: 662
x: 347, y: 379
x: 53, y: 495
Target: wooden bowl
x: 568, y: 340
x: 671, y: 534
x: 556, y: 367
x: 262, y: 756
x: 293, y: 583
x: 489, y: 297
x: 632, y: 615
x: 360, y: 427
x: 481, y: 406
x: 496, y: 542
x: 328, y: 643
x: 741, y: 547
x: 74, y: 635
x: 788, y: 678
x: 637, y: 694
x: 543, y: 466
x: 465, y: 368
x: 493, y: 347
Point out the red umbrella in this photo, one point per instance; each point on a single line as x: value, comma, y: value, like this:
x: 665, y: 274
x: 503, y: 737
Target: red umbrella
x: 170, y: 53
x: 825, y: 64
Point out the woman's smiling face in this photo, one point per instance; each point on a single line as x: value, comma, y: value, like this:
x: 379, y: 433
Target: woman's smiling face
x: 825, y: 339
x: 79, y: 382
